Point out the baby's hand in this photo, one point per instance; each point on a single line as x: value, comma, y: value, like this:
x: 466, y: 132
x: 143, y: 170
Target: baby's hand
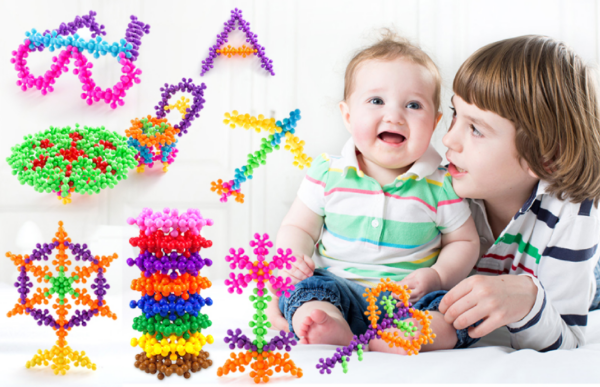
x: 302, y: 268
x: 421, y: 282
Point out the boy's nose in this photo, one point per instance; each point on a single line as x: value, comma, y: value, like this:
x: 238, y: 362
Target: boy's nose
x: 452, y: 141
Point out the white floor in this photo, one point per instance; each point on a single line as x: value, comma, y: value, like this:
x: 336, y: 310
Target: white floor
x: 107, y: 344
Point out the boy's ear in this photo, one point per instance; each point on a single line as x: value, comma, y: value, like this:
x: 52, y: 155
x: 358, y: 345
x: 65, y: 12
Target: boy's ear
x: 345, y: 110
x: 547, y: 167
x: 531, y: 173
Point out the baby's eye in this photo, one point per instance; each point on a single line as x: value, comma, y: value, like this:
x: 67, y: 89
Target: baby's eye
x: 453, y: 111
x: 413, y: 105
x: 376, y: 101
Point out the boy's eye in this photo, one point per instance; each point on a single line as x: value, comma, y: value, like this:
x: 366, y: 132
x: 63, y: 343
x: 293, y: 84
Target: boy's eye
x: 475, y: 132
x: 453, y: 111
x: 376, y: 101
x: 413, y: 105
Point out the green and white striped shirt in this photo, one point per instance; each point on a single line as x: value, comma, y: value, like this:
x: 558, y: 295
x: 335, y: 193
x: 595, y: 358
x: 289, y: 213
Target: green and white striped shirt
x: 372, y: 232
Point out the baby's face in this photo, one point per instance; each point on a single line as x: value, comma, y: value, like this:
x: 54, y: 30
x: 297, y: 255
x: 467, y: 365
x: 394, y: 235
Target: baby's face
x: 391, y: 112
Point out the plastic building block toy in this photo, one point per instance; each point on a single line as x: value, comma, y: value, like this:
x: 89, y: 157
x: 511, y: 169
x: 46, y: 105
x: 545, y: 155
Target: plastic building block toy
x: 154, y: 138
x: 263, y: 353
x: 65, y: 160
x: 182, y: 105
x: 243, y: 51
x: 219, y: 49
x: 73, y: 49
x: 277, y: 132
x: 171, y: 322
x: 62, y: 284
x: 392, y: 318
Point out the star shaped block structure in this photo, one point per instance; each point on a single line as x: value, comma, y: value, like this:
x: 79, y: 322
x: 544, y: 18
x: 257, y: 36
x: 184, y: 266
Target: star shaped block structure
x: 61, y: 285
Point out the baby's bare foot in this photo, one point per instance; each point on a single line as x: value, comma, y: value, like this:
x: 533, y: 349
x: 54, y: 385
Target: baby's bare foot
x: 379, y: 345
x: 320, y: 328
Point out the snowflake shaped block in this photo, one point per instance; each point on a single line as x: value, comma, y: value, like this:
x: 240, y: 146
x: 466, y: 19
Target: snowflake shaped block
x: 261, y: 353
x: 61, y: 285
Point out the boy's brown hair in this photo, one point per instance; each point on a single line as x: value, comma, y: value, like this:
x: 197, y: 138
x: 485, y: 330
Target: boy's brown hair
x: 550, y: 95
x: 390, y: 47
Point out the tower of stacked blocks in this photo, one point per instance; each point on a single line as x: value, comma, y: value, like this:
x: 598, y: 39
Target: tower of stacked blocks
x: 170, y: 282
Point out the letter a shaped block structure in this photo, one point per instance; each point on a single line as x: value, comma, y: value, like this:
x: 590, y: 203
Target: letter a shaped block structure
x: 255, y: 48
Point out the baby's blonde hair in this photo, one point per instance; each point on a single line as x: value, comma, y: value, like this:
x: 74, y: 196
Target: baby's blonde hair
x: 389, y: 47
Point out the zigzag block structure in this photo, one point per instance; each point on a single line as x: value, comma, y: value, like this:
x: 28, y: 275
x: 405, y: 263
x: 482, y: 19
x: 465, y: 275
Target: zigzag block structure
x: 220, y: 49
x: 279, y: 131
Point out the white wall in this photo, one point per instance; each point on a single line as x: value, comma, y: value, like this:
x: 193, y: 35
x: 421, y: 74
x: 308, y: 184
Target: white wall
x: 310, y: 43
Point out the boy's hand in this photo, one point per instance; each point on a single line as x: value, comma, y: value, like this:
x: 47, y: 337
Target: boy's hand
x: 498, y: 300
x: 303, y: 268
x: 421, y: 282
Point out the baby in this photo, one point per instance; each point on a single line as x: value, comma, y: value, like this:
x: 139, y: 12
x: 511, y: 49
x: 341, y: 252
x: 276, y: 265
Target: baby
x: 385, y: 208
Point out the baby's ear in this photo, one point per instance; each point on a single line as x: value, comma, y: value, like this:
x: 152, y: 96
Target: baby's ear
x: 345, y: 110
x: 437, y: 119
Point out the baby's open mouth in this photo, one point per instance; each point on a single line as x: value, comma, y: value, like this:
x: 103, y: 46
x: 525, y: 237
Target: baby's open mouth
x: 460, y: 169
x: 391, y: 138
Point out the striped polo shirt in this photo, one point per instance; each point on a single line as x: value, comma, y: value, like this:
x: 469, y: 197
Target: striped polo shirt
x: 555, y: 242
x: 372, y: 232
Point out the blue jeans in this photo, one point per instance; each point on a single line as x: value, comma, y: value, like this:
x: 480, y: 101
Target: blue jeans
x: 347, y: 296
x: 431, y: 301
x: 596, y: 302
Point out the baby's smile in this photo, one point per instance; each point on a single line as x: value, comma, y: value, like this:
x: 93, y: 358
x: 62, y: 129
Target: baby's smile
x: 391, y: 138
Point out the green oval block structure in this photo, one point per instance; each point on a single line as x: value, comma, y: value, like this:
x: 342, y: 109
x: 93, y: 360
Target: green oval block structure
x: 83, y: 160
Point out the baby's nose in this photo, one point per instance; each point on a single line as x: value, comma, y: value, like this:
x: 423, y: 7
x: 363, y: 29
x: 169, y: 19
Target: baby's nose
x: 394, y: 116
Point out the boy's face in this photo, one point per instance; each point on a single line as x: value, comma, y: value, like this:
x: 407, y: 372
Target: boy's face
x: 391, y: 113
x: 482, y: 154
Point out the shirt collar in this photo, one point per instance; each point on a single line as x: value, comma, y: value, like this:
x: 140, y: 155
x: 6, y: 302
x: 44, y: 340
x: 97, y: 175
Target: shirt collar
x: 539, y: 190
x: 349, y: 159
x: 424, y: 166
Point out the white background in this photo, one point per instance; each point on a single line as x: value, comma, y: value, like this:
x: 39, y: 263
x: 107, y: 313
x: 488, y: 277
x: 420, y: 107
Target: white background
x: 310, y: 43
